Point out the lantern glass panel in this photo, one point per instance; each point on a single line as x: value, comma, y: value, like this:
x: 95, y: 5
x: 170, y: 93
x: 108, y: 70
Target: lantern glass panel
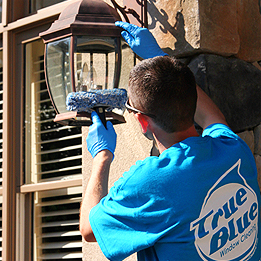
x: 95, y: 62
x: 127, y: 63
x: 58, y: 72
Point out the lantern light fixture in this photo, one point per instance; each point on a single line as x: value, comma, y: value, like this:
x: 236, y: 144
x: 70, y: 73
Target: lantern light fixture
x: 83, y: 51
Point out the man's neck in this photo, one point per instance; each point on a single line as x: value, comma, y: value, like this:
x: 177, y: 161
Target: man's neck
x: 165, y: 140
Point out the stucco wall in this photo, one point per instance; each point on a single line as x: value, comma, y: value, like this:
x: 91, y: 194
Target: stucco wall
x: 131, y: 146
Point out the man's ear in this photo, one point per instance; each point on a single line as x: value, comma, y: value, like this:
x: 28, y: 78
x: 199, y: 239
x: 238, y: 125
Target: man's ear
x: 143, y: 120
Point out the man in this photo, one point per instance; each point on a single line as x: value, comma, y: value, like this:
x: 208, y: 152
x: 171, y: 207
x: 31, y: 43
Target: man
x: 199, y: 200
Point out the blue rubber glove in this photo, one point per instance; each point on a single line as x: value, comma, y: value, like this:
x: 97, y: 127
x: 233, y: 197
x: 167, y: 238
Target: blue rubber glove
x: 99, y: 138
x: 140, y: 40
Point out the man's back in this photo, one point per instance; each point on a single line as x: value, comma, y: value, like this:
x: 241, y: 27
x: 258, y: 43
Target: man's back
x: 198, y: 201
x: 219, y: 200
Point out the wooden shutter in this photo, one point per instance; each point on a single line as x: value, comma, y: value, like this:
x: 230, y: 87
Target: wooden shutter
x: 53, y: 153
x: 58, y: 235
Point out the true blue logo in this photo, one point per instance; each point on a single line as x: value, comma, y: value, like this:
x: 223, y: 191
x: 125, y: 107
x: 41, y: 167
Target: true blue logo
x: 228, y: 223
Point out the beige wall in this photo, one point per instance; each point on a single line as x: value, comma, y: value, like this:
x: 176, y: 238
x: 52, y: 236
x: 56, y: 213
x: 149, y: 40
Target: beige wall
x: 131, y: 146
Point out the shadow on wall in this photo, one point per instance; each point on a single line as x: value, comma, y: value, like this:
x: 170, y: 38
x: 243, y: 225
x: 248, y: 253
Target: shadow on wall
x: 177, y: 30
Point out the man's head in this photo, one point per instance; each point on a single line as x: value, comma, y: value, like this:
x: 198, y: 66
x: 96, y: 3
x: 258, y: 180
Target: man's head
x: 166, y: 88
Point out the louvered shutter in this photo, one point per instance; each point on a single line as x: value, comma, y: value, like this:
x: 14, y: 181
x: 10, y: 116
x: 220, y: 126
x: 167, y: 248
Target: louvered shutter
x: 58, y: 230
x: 54, y: 153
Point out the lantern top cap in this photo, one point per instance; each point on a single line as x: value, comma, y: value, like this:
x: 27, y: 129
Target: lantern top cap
x: 84, y: 17
x: 87, y: 6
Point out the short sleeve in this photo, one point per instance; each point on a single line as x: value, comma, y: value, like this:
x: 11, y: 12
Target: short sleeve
x: 218, y: 130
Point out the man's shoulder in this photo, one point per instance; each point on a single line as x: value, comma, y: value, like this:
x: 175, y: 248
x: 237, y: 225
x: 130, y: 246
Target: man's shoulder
x: 147, y: 171
x: 219, y: 130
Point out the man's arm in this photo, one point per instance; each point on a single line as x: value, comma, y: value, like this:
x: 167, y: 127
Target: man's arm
x: 207, y: 112
x: 101, y: 143
x: 96, y: 189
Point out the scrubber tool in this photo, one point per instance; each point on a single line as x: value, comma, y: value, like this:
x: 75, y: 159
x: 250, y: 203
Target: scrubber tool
x: 102, y: 101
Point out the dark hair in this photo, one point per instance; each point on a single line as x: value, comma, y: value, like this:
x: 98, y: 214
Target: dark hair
x: 166, y: 88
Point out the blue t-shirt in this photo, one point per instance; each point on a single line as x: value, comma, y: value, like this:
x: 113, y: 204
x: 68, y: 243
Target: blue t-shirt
x: 199, y: 200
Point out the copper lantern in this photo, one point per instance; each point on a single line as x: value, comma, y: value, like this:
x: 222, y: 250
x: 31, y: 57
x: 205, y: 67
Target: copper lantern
x: 83, y: 49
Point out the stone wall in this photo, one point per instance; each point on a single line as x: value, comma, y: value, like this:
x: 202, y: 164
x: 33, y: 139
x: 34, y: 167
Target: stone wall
x: 222, y: 27
x: 253, y: 140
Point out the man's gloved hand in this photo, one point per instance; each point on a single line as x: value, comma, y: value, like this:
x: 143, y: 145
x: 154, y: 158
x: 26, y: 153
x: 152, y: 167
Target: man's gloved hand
x: 140, y: 40
x: 99, y: 138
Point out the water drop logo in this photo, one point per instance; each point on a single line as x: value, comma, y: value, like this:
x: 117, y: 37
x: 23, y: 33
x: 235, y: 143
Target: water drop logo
x: 228, y: 223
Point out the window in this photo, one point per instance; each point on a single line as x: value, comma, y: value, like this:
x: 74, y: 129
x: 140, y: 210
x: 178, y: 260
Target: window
x: 39, y: 4
x: 52, y: 155
x: 57, y: 233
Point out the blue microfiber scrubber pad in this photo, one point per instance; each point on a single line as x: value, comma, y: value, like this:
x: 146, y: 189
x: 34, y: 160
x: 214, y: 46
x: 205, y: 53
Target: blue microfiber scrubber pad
x: 85, y: 101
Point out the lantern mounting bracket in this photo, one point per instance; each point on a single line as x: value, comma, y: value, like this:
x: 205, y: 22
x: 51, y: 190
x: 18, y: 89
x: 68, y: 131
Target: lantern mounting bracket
x: 133, y: 11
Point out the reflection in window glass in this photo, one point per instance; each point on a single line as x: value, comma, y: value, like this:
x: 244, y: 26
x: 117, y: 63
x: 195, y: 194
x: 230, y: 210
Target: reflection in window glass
x: 39, y: 4
x: 52, y: 151
x: 58, y: 73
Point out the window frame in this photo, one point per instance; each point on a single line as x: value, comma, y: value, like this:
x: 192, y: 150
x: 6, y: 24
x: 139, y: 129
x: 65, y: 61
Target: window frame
x: 1, y: 186
x: 15, y: 34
